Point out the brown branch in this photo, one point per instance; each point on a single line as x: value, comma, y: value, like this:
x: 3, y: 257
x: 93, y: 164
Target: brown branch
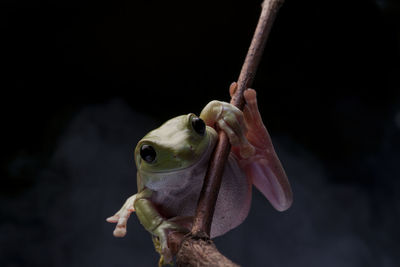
x: 201, y: 252
x: 197, y: 249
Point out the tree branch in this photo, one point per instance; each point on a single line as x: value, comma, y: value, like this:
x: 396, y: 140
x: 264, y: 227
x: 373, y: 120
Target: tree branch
x: 197, y: 249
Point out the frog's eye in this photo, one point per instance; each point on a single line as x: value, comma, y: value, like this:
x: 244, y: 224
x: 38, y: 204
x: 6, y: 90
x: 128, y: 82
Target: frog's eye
x: 148, y: 153
x: 198, y: 125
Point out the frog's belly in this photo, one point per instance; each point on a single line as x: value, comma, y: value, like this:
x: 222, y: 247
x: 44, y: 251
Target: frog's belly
x: 233, y: 201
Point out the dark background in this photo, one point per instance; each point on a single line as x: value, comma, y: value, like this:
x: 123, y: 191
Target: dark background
x: 83, y: 81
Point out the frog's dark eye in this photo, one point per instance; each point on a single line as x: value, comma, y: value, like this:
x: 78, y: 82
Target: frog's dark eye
x: 148, y: 153
x: 198, y: 125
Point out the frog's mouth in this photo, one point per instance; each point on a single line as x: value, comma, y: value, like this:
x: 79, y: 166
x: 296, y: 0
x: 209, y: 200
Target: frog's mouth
x: 179, y: 161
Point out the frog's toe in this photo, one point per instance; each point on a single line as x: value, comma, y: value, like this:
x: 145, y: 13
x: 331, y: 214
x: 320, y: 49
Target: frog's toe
x: 251, y: 113
x: 233, y: 138
x: 166, y: 256
x: 232, y: 88
x: 160, y: 237
x: 161, y: 246
x: 238, y: 139
x: 112, y: 219
x: 119, y: 231
x: 121, y: 218
x: 250, y: 96
x: 233, y: 124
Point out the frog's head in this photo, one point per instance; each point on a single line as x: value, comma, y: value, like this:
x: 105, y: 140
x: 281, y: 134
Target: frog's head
x: 176, y: 144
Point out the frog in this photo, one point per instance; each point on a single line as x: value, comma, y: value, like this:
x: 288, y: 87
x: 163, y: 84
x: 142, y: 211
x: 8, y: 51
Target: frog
x: 172, y: 161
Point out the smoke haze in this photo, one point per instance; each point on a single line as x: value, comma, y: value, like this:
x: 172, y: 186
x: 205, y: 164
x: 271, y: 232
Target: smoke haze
x: 60, y: 221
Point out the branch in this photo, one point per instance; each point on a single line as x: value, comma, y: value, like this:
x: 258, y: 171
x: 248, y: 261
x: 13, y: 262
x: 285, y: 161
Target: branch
x: 197, y: 249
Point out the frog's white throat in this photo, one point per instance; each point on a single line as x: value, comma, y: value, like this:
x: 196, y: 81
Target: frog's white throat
x: 180, y: 179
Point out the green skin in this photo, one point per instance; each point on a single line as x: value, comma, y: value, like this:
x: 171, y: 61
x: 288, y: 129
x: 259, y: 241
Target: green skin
x: 178, y: 146
x: 182, y: 154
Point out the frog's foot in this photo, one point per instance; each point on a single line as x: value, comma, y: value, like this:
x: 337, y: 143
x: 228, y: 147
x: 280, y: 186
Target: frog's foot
x: 122, y: 216
x: 257, y: 133
x: 160, y: 238
x: 264, y: 167
x: 158, y: 247
x: 231, y: 120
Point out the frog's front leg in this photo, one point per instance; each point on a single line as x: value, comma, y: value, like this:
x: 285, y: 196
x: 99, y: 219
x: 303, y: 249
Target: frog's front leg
x: 122, y: 216
x: 157, y: 225
x: 231, y: 120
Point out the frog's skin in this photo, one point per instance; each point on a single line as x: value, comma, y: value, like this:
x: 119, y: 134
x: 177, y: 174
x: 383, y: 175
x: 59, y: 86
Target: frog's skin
x: 170, y: 173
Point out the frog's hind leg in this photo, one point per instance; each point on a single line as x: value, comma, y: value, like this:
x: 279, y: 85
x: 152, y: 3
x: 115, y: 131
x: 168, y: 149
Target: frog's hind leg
x: 264, y: 167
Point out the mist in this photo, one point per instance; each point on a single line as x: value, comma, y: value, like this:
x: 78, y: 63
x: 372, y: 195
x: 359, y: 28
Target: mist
x: 83, y: 83
x: 60, y: 221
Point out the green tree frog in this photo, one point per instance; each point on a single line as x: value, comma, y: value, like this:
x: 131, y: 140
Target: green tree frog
x: 172, y: 161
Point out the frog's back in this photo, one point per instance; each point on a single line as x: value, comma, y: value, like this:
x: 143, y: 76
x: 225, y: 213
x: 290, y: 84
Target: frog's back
x: 233, y: 203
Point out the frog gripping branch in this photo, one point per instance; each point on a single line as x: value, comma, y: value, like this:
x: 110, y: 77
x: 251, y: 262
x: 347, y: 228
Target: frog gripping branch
x: 178, y: 195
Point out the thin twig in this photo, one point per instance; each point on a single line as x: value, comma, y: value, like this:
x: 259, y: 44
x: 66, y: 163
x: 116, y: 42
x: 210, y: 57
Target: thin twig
x: 212, y: 182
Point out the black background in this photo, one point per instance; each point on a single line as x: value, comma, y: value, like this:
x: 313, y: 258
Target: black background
x: 82, y: 81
